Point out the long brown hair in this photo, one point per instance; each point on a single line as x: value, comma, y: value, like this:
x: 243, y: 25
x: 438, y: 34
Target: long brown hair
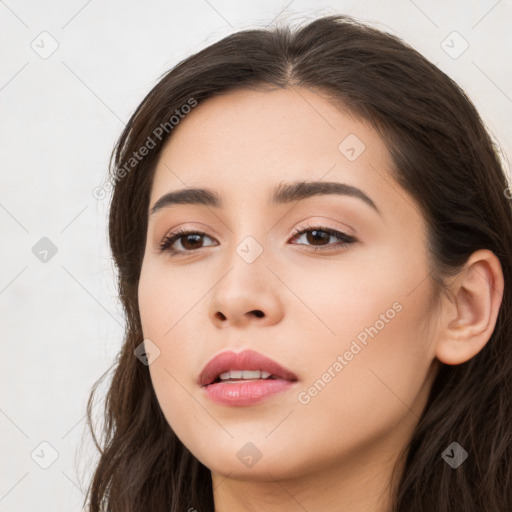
x: 442, y: 155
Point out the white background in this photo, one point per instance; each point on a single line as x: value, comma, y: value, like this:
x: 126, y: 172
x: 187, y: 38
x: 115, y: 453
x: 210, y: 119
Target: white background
x: 61, y: 323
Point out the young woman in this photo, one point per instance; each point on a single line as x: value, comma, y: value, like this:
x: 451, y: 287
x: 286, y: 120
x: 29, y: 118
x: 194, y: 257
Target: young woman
x: 313, y: 237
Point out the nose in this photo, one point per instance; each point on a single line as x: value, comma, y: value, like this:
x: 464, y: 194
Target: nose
x: 248, y: 293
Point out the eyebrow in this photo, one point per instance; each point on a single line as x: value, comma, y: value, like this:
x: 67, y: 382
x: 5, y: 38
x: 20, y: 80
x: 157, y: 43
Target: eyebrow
x: 282, y: 194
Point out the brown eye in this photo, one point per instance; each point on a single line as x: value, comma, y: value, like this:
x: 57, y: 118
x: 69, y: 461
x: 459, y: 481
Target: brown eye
x: 189, y: 241
x: 318, y: 237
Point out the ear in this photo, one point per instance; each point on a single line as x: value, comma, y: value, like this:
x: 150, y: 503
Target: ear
x: 469, y: 319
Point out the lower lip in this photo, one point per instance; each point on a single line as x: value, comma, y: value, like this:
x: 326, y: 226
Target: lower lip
x: 240, y: 393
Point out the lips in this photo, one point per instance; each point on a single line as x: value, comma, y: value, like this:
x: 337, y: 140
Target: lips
x: 248, y: 360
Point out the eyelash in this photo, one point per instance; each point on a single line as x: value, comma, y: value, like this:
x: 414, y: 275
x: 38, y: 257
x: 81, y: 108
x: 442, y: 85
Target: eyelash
x: 179, y: 233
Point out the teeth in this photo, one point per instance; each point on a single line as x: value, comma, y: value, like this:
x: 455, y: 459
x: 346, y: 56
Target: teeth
x: 244, y: 374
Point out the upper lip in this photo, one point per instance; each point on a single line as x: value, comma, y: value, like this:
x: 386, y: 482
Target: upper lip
x: 245, y: 360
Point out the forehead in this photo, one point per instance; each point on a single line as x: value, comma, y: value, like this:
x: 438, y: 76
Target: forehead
x: 245, y: 142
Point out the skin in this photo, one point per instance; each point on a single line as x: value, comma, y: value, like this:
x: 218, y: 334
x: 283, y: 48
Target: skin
x: 335, y: 452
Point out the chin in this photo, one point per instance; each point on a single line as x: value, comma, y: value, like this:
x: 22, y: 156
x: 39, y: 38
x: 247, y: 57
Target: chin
x: 247, y: 461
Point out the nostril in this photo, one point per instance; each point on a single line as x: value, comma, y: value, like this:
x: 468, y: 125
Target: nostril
x: 256, y: 312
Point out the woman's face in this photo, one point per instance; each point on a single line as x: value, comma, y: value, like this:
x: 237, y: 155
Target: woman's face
x: 333, y: 286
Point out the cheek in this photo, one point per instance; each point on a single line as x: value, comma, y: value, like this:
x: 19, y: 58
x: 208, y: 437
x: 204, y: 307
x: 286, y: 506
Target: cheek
x: 167, y: 299
x: 386, y: 342
x: 170, y: 317
x: 170, y: 320
x: 336, y: 300
x: 372, y: 368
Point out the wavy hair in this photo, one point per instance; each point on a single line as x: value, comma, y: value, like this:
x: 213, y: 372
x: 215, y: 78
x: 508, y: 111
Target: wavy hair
x: 442, y: 155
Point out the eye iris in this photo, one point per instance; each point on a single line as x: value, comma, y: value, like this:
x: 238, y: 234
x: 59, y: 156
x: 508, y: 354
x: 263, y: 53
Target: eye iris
x: 186, y: 238
x: 317, y: 235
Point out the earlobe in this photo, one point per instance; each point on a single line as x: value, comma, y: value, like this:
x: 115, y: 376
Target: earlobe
x: 470, y: 320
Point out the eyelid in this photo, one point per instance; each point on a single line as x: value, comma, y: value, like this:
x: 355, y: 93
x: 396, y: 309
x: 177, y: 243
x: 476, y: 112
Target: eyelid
x: 325, y: 224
